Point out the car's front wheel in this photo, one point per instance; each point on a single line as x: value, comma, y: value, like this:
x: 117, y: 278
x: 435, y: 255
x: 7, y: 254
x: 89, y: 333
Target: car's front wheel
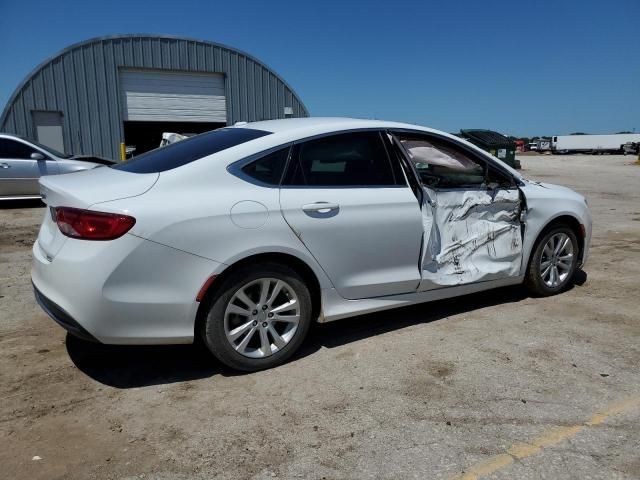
x: 553, y: 262
x: 258, y: 318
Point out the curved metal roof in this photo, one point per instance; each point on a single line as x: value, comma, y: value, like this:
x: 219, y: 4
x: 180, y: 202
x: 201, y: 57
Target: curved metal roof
x: 83, y: 43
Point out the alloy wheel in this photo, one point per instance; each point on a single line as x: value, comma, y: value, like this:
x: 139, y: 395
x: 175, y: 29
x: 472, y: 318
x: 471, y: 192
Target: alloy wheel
x: 262, y: 317
x: 556, y: 260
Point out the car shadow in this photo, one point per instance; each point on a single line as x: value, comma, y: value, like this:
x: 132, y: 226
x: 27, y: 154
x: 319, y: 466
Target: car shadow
x: 13, y: 204
x: 335, y: 334
x: 579, y: 278
x: 131, y: 366
x: 138, y: 366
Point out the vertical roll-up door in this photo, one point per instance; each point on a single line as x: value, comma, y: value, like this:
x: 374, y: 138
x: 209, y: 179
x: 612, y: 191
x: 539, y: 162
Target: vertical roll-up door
x: 49, y: 129
x: 173, y: 96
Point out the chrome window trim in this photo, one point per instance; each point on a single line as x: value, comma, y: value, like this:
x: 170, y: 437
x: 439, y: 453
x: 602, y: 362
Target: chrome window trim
x: 378, y: 130
x: 236, y: 167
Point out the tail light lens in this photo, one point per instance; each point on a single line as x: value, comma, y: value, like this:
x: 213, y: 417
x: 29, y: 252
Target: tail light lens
x: 90, y: 225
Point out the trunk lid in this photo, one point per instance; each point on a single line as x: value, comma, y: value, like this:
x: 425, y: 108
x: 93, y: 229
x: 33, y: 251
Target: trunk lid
x: 82, y: 190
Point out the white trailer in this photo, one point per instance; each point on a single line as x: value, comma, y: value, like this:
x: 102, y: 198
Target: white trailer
x: 592, y: 143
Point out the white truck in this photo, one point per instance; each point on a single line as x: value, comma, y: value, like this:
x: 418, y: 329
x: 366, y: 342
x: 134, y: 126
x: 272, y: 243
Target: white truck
x: 592, y: 143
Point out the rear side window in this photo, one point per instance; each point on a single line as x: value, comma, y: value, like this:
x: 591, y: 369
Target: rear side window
x: 187, y: 151
x: 269, y: 168
x: 351, y: 159
x: 13, y: 149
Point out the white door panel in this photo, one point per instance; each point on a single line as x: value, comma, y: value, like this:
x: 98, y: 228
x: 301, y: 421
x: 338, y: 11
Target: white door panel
x: 367, y: 240
x: 470, y: 236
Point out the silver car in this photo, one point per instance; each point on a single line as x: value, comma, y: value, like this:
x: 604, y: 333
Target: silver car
x: 23, y: 162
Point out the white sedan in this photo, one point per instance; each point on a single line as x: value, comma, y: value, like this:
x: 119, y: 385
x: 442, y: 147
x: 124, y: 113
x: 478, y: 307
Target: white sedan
x: 246, y: 235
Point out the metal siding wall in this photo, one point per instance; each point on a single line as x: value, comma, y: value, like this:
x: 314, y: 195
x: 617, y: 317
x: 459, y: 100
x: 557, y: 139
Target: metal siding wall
x: 92, y: 94
x: 29, y: 104
x: 69, y: 106
x: 225, y: 57
x: 50, y: 100
x: 257, y: 87
x: 235, y: 88
x: 20, y: 128
x: 102, y: 96
x: 242, y: 73
x: 39, y: 95
x: 83, y: 84
x: 266, y: 101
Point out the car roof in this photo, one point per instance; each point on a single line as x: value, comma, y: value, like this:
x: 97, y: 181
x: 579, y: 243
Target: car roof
x: 293, y: 129
x: 324, y: 124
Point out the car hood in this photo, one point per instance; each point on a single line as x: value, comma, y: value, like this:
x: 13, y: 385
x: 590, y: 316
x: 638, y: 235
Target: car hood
x: 551, y: 190
x: 557, y: 188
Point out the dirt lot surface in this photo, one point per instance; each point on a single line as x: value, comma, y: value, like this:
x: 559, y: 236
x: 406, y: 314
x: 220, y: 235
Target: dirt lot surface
x: 494, y: 385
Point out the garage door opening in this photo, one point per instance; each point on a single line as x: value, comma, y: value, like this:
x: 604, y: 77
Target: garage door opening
x: 157, y: 101
x: 145, y: 136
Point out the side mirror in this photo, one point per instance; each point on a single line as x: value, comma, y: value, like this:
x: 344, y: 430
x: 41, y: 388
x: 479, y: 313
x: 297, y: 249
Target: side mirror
x: 37, y: 156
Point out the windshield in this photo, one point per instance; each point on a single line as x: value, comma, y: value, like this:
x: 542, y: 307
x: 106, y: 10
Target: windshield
x: 189, y: 150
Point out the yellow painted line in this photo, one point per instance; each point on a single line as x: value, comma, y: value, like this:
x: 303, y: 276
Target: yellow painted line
x: 548, y: 438
x: 614, y: 409
x: 487, y: 467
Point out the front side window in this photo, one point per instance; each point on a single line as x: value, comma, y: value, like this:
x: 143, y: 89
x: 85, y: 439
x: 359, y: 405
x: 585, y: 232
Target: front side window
x: 356, y: 159
x: 51, y: 151
x: 441, y: 165
x: 269, y: 168
x: 16, y: 150
x: 189, y: 150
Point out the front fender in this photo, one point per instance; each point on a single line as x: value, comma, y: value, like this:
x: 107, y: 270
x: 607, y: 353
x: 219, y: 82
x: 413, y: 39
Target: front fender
x: 546, y: 203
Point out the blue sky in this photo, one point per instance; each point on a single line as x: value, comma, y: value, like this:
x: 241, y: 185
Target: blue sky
x: 521, y: 67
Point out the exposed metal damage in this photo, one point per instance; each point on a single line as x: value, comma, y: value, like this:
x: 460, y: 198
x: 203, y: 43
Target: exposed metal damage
x: 470, y: 236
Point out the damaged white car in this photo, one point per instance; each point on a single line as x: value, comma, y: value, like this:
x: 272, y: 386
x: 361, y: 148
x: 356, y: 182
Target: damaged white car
x: 245, y: 235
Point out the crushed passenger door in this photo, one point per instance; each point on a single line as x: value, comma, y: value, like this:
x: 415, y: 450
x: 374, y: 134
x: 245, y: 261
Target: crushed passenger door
x: 470, y: 236
x: 470, y: 213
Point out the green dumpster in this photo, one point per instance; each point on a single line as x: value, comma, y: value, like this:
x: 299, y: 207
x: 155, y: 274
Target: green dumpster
x: 495, y: 143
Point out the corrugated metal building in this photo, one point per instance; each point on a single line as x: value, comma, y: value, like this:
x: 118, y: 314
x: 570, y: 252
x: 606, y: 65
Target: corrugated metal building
x: 130, y: 88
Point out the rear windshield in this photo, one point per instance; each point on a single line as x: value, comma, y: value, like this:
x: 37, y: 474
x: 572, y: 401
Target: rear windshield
x: 187, y: 151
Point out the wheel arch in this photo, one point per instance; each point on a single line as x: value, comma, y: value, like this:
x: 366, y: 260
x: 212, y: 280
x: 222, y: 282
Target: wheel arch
x: 564, y: 219
x: 298, y: 265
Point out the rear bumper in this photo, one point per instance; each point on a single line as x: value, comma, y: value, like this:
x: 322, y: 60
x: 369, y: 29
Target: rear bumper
x: 62, y: 318
x: 129, y: 291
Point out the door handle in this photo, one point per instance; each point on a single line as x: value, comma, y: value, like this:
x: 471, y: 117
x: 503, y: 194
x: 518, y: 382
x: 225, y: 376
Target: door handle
x: 320, y: 207
x: 5, y: 165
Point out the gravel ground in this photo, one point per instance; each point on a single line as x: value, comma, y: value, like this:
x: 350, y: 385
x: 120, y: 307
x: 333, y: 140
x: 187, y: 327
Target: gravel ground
x: 493, y: 385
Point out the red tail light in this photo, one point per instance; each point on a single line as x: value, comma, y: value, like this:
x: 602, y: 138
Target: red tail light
x: 90, y: 225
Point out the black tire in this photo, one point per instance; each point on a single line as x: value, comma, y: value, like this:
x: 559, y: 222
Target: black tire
x: 213, y: 328
x: 533, y: 278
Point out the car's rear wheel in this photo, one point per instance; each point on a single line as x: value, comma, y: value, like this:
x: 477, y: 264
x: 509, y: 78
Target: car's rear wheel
x: 259, y: 317
x: 553, y: 262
